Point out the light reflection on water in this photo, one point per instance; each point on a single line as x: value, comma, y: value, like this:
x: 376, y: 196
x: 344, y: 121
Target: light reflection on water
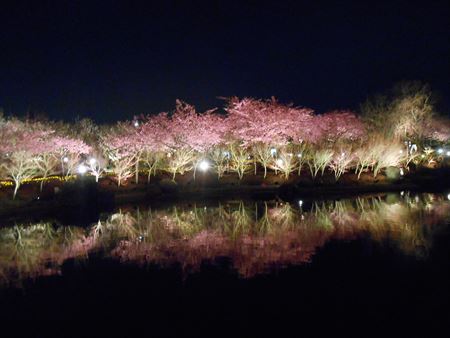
x: 256, y: 236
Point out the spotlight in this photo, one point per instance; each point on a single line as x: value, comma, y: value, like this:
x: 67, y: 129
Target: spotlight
x: 82, y: 169
x: 204, y: 165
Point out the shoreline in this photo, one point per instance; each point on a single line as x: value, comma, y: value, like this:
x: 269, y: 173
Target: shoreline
x: 83, y: 200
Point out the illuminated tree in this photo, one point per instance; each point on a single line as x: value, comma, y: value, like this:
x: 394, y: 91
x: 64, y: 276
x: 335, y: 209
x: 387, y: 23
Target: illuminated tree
x: 285, y: 162
x: 46, y: 164
x: 319, y: 159
x: 342, y: 161
x: 240, y: 159
x: 264, y: 153
x: 119, y: 147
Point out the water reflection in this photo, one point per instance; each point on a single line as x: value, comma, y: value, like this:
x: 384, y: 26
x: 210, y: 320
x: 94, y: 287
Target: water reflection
x: 256, y: 236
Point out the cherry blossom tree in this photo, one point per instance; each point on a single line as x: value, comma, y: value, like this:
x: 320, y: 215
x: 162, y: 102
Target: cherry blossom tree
x: 340, y: 125
x: 118, y: 144
x: 252, y: 121
x: 20, y: 143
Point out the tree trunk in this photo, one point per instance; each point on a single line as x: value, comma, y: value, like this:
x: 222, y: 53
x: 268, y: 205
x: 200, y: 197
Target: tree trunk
x: 137, y: 170
x: 195, y: 169
x: 16, y: 188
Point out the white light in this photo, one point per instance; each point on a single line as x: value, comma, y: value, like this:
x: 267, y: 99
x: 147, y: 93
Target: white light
x: 402, y: 172
x: 343, y: 154
x: 300, y: 203
x: 402, y: 193
x: 279, y: 162
x: 82, y: 169
x: 448, y: 197
x: 273, y: 151
x: 448, y: 153
x: 226, y: 154
x: 290, y: 154
x: 440, y: 150
x: 299, y: 155
x: 204, y: 165
x: 401, y: 151
x: 423, y: 156
x: 136, y: 124
x: 92, y: 161
x: 65, y: 160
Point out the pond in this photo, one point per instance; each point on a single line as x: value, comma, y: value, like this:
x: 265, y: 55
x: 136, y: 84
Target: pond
x: 369, y: 259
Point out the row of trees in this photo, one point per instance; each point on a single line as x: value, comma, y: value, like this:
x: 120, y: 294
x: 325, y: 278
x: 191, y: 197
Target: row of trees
x: 251, y: 134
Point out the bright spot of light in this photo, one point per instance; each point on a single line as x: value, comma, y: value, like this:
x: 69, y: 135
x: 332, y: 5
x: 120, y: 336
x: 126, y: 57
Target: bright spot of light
x: 82, y: 169
x: 402, y: 172
x: 300, y: 203
x: 92, y: 161
x: 299, y: 155
x: 402, y: 193
x: 204, y: 165
x: 65, y: 160
x: 440, y: 150
x: 273, y: 151
x: 448, y: 153
x: 448, y: 197
x: 136, y: 124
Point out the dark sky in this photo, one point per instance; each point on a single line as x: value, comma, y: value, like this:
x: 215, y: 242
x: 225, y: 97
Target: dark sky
x: 110, y: 60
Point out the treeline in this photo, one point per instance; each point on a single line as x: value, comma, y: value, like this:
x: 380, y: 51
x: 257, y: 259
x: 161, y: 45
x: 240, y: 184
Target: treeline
x: 392, y: 130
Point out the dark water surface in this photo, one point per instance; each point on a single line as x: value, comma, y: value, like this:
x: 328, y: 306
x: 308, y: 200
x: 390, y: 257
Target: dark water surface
x: 237, y: 268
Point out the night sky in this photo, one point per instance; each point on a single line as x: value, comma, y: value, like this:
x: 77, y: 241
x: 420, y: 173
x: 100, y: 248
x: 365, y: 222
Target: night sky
x: 110, y: 60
